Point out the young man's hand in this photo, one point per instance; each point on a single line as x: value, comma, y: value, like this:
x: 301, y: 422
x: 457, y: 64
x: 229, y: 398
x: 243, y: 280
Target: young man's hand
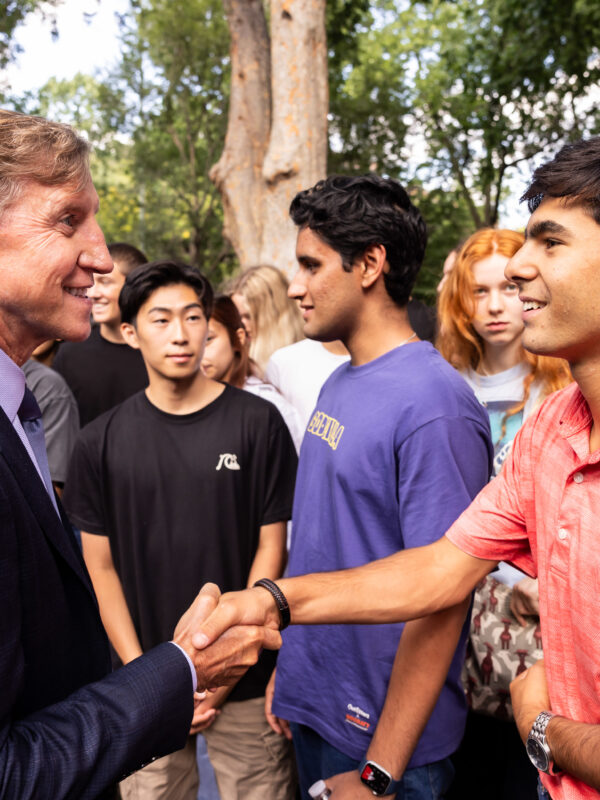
x: 249, y: 607
x: 228, y: 658
x: 279, y: 725
x: 348, y: 786
x: 529, y: 695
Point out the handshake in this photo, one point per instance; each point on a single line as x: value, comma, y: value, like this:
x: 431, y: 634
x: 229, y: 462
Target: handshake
x: 224, y: 634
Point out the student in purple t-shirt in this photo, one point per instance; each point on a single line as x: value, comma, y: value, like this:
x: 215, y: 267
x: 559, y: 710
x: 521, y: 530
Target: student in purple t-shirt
x: 394, y: 451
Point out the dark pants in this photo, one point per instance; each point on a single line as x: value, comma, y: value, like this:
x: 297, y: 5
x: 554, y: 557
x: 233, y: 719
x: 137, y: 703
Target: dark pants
x: 317, y: 759
x: 492, y: 755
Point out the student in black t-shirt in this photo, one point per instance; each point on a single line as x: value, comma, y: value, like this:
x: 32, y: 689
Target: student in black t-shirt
x: 103, y: 371
x: 187, y: 482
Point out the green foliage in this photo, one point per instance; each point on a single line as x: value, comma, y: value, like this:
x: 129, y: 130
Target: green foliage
x: 174, y: 77
x: 448, y: 96
x: 449, y: 223
x: 452, y: 95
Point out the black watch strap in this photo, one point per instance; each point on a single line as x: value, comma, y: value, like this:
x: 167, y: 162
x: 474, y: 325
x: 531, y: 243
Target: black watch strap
x: 280, y: 600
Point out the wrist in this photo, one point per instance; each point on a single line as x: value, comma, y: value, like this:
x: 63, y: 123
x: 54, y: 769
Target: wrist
x: 377, y: 777
x: 538, y: 745
x: 274, y: 603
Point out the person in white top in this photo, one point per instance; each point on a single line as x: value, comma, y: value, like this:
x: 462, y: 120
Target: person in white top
x: 299, y: 371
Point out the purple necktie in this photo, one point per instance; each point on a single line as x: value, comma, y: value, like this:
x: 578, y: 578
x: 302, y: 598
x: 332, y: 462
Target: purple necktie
x: 31, y: 419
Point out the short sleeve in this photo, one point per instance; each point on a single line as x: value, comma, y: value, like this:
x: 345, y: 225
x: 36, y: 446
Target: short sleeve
x: 82, y: 496
x: 494, y: 527
x: 272, y: 373
x: 281, y: 465
x: 61, y: 425
x: 441, y: 468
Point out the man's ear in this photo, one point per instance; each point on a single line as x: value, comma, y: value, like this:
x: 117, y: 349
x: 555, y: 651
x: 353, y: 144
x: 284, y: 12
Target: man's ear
x: 129, y: 333
x: 374, y: 262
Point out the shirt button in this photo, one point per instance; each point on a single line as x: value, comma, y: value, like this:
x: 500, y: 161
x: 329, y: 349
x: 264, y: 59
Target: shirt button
x: 578, y: 477
x: 562, y: 533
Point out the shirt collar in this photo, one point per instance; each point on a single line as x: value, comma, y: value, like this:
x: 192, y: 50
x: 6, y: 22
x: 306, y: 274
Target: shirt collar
x: 576, y: 415
x: 12, y: 386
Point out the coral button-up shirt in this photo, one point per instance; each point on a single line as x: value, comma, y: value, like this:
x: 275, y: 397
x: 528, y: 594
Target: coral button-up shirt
x: 542, y: 513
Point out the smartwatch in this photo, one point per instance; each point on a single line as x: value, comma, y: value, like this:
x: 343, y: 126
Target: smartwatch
x: 379, y: 780
x: 537, y: 745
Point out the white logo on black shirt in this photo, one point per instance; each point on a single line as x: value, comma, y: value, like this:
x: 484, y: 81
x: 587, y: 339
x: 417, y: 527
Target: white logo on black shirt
x: 228, y: 460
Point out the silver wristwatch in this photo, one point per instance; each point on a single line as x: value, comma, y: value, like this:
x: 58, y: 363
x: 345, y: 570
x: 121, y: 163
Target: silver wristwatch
x: 537, y: 745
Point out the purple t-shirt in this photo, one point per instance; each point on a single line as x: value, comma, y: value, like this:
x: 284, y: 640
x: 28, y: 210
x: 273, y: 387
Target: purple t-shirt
x: 394, y: 452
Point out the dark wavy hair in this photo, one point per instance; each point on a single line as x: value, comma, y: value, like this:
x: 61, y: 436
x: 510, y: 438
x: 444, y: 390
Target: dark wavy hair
x: 352, y: 214
x: 147, y: 278
x: 573, y: 174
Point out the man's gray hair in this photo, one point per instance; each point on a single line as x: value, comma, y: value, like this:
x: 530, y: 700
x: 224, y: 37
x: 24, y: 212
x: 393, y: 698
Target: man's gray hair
x: 36, y: 149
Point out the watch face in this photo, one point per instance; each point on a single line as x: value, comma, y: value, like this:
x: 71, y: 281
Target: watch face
x: 537, y: 754
x: 375, y: 778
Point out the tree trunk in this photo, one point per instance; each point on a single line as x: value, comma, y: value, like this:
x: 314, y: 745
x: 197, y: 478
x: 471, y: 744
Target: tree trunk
x: 276, y: 141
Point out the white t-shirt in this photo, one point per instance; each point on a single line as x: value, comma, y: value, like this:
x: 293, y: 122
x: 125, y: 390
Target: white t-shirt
x: 286, y: 409
x: 299, y: 371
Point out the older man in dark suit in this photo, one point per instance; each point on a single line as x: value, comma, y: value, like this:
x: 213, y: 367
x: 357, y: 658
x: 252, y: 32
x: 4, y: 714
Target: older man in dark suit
x: 68, y: 728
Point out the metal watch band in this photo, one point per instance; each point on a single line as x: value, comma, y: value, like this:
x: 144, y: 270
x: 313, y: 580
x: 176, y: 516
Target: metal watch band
x: 280, y: 600
x: 541, y: 723
x: 538, y: 734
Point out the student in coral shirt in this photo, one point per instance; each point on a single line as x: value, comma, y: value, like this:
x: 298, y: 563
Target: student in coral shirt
x: 540, y: 513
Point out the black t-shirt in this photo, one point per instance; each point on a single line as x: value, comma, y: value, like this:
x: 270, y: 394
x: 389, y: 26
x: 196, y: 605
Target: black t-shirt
x: 182, y: 499
x: 101, y: 374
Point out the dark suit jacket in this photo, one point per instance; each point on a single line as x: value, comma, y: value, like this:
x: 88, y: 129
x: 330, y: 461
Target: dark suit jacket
x: 68, y: 728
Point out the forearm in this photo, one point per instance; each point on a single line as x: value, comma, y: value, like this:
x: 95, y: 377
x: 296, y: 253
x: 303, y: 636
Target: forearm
x: 115, y: 613
x: 575, y: 748
x: 271, y: 555
x: 420, y: 668
x: 407, y: 585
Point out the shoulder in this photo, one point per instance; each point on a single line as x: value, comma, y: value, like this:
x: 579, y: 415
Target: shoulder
x: 108, y: 423
x: 43, y: 378
x: 566, y: 406
x: 253, y: 400
x: 70, y: 352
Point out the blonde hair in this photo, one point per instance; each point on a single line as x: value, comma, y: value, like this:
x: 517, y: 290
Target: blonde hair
x: 275, y: 317
x: 459, y: 342
x: 35, y: 149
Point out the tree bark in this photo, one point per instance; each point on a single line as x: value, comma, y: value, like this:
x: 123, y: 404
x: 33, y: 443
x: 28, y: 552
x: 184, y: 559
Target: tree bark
x: 276, y: 142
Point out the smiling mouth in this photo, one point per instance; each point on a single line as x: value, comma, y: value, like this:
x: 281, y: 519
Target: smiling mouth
x: 532, y: 305
x: 77, y: 292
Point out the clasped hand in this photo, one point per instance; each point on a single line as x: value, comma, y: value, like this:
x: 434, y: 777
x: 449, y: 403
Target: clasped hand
x: 233, y: 649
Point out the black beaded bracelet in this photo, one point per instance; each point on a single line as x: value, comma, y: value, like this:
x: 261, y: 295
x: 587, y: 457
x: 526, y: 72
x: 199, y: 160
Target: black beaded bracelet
x: 280, y: 600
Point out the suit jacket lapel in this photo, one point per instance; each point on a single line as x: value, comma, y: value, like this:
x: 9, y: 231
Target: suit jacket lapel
x: 56, y: 530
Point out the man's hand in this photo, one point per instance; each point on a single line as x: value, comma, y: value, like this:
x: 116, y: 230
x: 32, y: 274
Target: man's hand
x: 207, y: 708
x: 525, y: 600
x: 529, y: 694
x: 250, y: 607
x: 348, y: 786
x: 279, y: 725
x: 236, y: 650
x: 204, y: 716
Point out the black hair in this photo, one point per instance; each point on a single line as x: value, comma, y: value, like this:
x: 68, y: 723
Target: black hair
x: 352, y: 214
x: 573, y: 173
x: 128, y: 256
x: 147, y: 278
